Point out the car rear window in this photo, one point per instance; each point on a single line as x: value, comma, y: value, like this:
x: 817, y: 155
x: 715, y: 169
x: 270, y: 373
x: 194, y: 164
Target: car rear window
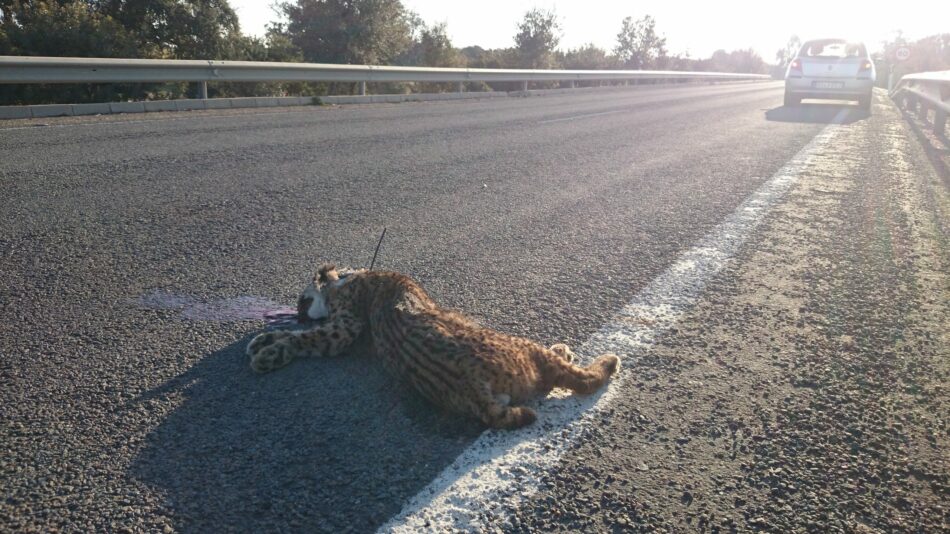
x: 832, y: 48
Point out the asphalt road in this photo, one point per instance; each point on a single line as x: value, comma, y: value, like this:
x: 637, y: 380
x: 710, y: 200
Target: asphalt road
x: 538, y: 216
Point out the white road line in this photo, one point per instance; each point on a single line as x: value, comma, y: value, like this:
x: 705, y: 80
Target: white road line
x: 503, y: 468
x: 585, y: 116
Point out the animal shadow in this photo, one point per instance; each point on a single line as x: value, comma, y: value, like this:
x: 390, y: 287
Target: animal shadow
x: 323, y: 445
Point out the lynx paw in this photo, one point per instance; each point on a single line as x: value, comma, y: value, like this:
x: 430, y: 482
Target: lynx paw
x: 515, y: 417
x: 260, y: 341
x: 563, y: 351
x: 269, y: 351
x: 610, y: 363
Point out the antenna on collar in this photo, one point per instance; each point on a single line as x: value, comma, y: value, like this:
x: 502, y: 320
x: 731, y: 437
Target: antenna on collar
x: 377, y: 249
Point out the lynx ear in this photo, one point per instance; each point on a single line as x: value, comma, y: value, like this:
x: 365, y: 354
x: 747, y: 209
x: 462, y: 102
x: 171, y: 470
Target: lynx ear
x: 327, y: 273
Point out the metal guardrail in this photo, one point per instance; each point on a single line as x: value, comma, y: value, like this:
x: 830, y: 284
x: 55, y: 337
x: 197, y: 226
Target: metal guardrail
x: 22, y: 69
x: 924, y: 91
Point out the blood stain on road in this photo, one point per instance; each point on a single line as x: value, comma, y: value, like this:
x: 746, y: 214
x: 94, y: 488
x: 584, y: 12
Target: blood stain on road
x: 243, y: 308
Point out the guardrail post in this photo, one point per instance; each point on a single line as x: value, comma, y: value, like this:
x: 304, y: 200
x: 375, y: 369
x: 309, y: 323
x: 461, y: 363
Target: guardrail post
x: 922, y: 110
x: 461, y: 87
x: 524, y: 85
x: 203, y: 90
x: 940, y: 122
x: 910, y: 103
x: 362, y: 88
x: 572, y: 84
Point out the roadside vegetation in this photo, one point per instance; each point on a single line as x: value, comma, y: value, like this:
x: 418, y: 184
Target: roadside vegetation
x: 380, y: 32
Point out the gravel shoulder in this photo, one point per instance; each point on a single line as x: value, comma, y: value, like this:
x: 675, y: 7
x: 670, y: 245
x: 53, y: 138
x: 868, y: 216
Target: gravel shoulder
x: 808, y: 391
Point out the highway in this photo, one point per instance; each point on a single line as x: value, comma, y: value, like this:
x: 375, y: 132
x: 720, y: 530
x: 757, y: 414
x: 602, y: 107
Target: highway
x: 801, y: 384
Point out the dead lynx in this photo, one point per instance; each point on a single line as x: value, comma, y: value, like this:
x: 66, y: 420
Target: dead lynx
x: 449, y: 359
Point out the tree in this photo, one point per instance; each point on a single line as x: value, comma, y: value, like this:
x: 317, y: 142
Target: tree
x: 538, y: 35
x: 638, y: 45
x: 587, y: 57
x: 931, y: 53
x: 785, y: 55
x: 433, y: 48
x: 371, y: 32
x: 179, y: 29
x: 744, y: 61
x: 477, y: 57
x: 182, y: 29
x: 680, y: 62
x: 61, y: 29
x: 500, y: 58
x: 275, y: 46
x: 280, y: 47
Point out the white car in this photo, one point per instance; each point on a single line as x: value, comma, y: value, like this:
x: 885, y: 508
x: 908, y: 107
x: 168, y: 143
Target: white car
x: 831, y: 69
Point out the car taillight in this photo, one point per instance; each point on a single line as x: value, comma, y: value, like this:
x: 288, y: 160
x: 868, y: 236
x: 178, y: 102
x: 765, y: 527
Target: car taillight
x: 866, y: 65
x: 795, y: 69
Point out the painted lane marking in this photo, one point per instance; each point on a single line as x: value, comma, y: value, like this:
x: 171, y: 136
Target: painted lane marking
x: 502, y: 469
x: 585, y: 116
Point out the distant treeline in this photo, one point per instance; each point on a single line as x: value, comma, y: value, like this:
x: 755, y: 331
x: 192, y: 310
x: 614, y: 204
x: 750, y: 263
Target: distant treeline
x: 380, y: 32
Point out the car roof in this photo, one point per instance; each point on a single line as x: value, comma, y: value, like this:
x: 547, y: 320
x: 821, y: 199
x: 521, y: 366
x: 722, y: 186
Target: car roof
x: 863, y: 50
x: 832, y: 39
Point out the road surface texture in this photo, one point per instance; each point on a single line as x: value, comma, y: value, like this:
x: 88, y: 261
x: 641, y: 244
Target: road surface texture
x: 806, y: 388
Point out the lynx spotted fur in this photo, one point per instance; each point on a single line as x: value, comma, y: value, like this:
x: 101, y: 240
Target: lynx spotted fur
x: 446, y: 357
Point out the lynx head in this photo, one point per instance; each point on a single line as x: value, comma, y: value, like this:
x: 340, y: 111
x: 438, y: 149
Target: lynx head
x: 312, y: 304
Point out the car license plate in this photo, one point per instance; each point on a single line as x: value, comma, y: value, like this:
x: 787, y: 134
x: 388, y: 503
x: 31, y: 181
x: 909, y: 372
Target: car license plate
x: 828, y: 85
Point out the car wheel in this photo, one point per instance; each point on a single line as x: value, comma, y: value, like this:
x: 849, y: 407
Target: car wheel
x: 792, y: 100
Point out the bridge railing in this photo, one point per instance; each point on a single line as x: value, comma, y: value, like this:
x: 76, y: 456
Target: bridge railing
x: 925, y: 91
x: 22, y: 69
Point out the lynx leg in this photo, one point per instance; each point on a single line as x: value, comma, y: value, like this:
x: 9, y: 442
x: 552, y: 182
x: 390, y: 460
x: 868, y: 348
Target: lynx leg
x: 496, y: 414
x: 272, y: 350
x: 586, y: 380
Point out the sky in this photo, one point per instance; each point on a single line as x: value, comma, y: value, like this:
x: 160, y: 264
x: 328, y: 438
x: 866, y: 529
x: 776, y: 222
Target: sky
x: 696, y: 27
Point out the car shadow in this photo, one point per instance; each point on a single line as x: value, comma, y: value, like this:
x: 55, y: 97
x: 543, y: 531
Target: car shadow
x: 325, y: 445
x: 817, y: 113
